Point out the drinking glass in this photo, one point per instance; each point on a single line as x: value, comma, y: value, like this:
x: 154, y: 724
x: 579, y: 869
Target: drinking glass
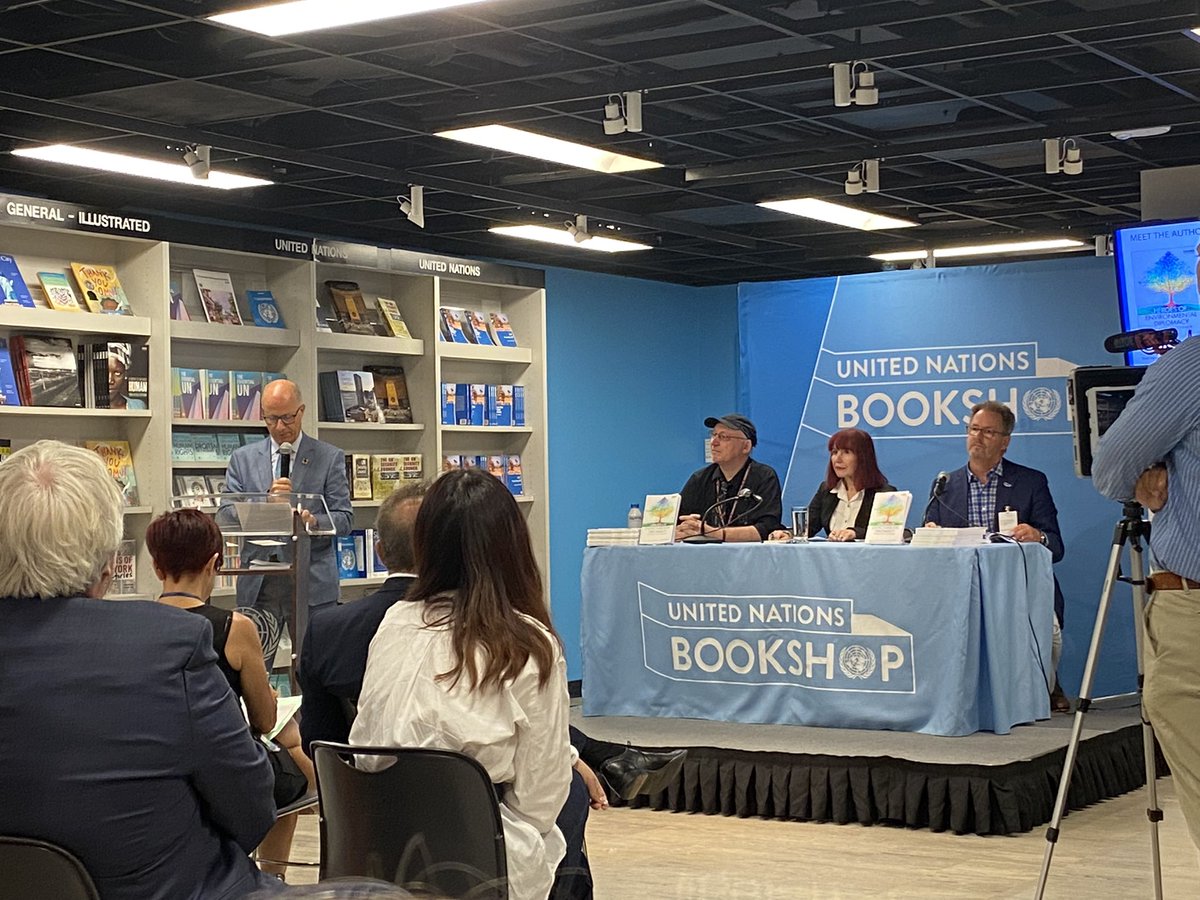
x: 799, y: 524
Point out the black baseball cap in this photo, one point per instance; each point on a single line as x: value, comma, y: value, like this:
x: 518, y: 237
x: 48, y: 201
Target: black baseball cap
x: 737, y: 423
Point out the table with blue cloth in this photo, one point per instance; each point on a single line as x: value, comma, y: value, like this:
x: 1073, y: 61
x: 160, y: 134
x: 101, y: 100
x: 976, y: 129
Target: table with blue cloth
x: 939, y: 640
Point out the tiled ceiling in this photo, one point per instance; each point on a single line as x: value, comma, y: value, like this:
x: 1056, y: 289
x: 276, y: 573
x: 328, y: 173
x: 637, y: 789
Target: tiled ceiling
x: 737, y: 106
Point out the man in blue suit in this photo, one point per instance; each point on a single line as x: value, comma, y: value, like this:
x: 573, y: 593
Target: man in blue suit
x: 120, y: 739
x: 315, y: 468
x: 989, y: 485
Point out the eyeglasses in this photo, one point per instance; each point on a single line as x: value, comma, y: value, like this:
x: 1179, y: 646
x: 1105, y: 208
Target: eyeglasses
x: 727, y: 436
x: 989, y: 433
x: 286, y: 420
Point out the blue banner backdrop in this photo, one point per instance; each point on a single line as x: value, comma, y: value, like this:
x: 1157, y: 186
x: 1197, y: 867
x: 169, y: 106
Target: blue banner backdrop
x: 904, y: 355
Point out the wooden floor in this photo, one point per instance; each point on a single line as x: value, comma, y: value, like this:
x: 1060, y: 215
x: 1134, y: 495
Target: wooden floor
x: 1104, y: 851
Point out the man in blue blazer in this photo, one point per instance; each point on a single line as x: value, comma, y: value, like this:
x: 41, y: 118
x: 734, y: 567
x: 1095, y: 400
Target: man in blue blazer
x: 315, y: 468
x: 120, y: 739
x: 989, y: 485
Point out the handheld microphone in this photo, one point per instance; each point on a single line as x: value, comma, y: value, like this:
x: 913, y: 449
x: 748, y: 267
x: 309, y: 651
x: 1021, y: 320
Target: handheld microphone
x: 702, y: 538
x: 1146, y: 339
x: 285, y: 460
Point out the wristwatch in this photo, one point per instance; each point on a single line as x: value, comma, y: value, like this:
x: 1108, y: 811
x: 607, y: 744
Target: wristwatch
x: 1042, y: 540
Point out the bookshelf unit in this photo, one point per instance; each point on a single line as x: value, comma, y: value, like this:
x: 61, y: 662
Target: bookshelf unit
x: 295, y: 270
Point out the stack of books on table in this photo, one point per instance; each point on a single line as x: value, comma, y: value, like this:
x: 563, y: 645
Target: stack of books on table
x: 608, y: 537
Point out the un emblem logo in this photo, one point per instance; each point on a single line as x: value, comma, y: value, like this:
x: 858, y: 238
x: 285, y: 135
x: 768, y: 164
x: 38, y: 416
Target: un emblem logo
x: 856, y: 661
x: 1041, y: 403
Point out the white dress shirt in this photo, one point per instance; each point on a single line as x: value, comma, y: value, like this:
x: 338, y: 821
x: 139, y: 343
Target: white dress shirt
x: 517, y: 733
x: 846, y: 512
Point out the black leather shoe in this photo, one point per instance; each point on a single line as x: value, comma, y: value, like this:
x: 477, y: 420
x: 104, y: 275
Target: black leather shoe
x: 634, y: 771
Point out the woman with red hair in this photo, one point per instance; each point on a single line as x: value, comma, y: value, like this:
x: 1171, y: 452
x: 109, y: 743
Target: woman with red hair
x: 841, y: 507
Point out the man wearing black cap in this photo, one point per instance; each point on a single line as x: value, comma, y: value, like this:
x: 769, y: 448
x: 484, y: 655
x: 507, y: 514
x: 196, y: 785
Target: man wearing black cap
x: 739, y: 498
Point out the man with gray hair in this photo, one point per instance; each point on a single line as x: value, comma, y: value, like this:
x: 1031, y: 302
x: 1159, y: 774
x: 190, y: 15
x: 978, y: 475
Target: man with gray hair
x: 122, y: 740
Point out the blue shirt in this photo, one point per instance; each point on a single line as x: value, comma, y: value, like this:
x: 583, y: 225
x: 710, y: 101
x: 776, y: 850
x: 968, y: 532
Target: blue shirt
x: 981, y: 501
x: 1161, y: 423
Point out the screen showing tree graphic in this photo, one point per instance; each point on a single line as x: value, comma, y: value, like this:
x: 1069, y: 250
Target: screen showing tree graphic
x: 1157, y: 269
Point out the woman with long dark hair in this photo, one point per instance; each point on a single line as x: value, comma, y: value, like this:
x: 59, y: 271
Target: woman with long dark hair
x: 470, y: 662
x: 841, y: 507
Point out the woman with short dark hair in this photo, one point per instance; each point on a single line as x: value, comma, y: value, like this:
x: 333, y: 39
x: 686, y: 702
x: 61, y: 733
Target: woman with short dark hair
x: 471, y: 663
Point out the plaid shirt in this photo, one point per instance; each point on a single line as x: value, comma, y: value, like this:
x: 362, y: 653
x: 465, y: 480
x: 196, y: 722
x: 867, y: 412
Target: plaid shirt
x: 982, y: 498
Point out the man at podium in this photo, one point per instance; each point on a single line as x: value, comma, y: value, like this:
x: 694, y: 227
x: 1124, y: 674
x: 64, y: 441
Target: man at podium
x: 306, y: 466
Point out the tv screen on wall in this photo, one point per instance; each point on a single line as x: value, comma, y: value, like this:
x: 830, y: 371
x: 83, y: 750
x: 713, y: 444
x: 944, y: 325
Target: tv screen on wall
x: 1157, y: 279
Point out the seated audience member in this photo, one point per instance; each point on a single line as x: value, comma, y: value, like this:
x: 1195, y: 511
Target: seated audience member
x: 990, y: 484
x: 735, y: 498
x: 334, y: 657
x: 841, y: 507
x: 122, y: 741
x: 470, y: 662
x: 186, y: 548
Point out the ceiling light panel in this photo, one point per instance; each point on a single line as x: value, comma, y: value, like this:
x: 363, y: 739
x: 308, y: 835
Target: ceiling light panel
x: 561, y: 237
x: 824, y: 211
x: 316, y: 15
x: 141, y: 167
x: 540, y: 146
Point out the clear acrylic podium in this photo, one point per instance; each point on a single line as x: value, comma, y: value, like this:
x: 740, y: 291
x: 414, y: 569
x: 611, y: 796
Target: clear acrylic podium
x: 272, y: 533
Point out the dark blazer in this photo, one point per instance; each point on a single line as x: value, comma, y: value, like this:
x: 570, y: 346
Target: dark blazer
x: 1022, y: 489
x: 319, y: 468
x: 121, y: 740
x: 824, y: 503
x: 334, y: 657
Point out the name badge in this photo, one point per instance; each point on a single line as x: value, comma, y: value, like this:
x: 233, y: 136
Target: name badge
x: 1007, y: 521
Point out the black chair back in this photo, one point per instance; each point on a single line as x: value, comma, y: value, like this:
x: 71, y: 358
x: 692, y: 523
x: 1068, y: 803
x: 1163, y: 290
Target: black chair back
x: 429, y: 821
x: 38, y: 870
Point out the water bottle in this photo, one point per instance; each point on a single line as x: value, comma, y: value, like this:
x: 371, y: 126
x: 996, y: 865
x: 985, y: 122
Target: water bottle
x: 634, y: 519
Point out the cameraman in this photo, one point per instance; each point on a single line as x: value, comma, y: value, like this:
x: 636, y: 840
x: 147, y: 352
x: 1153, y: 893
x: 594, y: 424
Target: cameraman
x: 1150, y: 451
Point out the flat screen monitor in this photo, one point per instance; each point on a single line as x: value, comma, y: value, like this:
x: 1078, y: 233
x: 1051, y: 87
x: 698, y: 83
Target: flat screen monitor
x: 1157, y: 283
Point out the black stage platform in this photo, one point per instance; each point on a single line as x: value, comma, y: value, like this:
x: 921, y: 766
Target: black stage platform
x: 981, y: 784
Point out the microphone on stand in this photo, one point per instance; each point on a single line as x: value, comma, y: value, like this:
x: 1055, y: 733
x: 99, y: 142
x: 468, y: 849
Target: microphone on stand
x: 285, y: 460
x: 702, y: 538
x: 935, y: 493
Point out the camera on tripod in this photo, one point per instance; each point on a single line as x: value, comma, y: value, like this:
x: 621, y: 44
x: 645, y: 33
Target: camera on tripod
x: 1096, y: 395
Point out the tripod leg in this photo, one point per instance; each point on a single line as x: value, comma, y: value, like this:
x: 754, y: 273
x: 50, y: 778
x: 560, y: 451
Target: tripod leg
x: 1154, y: 814
x: 1085, y: 695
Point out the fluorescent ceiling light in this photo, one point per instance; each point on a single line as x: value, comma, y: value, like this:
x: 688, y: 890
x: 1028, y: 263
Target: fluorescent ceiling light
x: 540, y: 146
x: 313, y: 15
x: 136, y: 165
x: 812, y: 208
x: 563, y: 238
x: 983, y: 249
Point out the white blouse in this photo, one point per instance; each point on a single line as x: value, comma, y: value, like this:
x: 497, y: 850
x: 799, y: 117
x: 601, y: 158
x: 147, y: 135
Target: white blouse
x: 517, y: 733
x: 846, y: 512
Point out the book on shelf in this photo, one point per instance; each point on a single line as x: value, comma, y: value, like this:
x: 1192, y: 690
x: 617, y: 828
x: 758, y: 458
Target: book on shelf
x: 412, y: 467
x: 513, y: 475
x: 101, y: 289
x: 470, y: 461
x: 183, y: 446
x: 477, y: 328
x: 216, y: 484
x: 216, y: 391
x: 358, y: 474
x: 386, y: 473
x: 10, y: 394
x: 658, y: 522
x: 476, y: 405
x: 350, y: 307
x: 247, y: 392
x: 264, y: 310
x: 499, y: 404
x: 268, y: 377
x: 187, y: 395
x: 118, y: 459
x: 227, y: 442
x: 176, y: 307
x: 192, y: 488
x: 351, y: 554
x: 518, y: 404
x: 349, y: 396
x: 451, y: 328
x: 389, y: 312
x: 451, y: 461
x: 124, y: 580
x: 502, y: 331
x: 207, y: 447
x: 5, y: 449
x: 12, y: 286
x: 59, y: 294
x: 217, y: 297
x: 497, y: 466
x: 47, y: 370
x: 375, y: 564
x: 391, y: 392
x: 120, y: 375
